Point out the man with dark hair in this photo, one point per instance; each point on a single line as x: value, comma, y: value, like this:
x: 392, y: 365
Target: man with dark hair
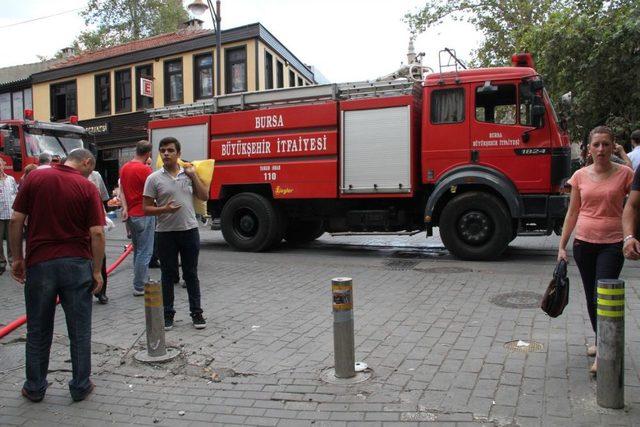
x: 634, y: 155
x: 65, y: 248
x: 168, y: 194
x: 133, y: 175
x: 44, y: 160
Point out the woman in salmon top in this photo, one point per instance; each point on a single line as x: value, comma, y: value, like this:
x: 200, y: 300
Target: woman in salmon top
x: 595, y: 212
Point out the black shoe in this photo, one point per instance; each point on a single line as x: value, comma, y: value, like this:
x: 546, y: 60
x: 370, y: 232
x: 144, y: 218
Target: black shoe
x: 103, y: 299
x: 168, y: 323
x: 32, y: 397
x: 84, y: 395
x: 198, y: 321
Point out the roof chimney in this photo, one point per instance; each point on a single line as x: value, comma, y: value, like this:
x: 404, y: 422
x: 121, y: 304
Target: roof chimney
x: 193, y: 24
x: 67, y: 52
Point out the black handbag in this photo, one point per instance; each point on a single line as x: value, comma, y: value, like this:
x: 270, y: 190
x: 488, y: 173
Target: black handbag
x: 556, y: 297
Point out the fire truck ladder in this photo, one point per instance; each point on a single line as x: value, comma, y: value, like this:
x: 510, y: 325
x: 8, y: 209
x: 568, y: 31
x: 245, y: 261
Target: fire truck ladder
x: 452, y: 62
x: 305, y: 94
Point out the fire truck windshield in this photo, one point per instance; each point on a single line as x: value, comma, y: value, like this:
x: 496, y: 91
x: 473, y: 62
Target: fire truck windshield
x: 39, y: 141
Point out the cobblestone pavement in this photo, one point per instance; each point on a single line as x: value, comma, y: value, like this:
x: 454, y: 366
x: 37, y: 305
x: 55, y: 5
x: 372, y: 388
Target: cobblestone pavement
x: 431, y: 328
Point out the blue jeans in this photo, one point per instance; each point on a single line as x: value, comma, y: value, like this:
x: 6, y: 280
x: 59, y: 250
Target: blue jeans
x: 187, y: 244
x: 142, y: 229
x: 72, y: 280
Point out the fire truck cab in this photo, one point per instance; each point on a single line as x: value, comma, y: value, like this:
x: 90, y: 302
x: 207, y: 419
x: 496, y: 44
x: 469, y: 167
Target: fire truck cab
x: 22, y: 141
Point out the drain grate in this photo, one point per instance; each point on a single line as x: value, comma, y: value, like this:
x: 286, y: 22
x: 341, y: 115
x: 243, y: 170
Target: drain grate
x: 522, y: 299
x: 445, y: 270
x: 400, y: 264
x: 524, y: 346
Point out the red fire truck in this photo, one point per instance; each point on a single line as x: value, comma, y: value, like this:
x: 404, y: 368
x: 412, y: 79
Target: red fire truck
x: 22, y: 141
x: 479, y: 153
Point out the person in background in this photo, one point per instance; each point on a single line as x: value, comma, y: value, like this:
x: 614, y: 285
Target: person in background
x: 168, y: 194
x: 65, y: 248
x: 27, y: 170
x: 96, y: 179
x: 595, y: 212
x: 8, y: 190
x: 132, y: 178
x: 634, y: 155
x: 44, y: 160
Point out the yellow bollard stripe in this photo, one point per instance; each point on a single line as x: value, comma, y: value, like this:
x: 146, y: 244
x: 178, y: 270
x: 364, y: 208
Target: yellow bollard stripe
x: 608, y: 291
x: 611, y: 302
x: 610, y: 313
x: 341, y: 287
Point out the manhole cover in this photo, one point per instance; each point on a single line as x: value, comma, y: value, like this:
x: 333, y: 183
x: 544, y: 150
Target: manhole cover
x: 445, y: 270
x: 524, y: 346
x: 517, y: 300
x: 400, y: 264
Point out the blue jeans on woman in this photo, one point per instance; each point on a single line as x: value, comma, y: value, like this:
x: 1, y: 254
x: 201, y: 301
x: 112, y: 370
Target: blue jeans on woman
x: 187, y: 244
x: 71, y: 279
x: 142, y: 230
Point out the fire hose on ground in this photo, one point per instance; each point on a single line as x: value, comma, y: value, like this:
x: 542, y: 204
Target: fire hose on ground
x: 22, y: 319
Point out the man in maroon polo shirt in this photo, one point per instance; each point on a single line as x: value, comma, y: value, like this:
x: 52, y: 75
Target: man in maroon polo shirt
x: 65, y: 247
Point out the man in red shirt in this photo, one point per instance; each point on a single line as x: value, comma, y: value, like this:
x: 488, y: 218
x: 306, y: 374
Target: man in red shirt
x: 65, y: 247
x: 132, y: 177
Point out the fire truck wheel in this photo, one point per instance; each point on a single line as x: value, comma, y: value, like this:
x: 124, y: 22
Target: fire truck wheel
x: 475, y: 226
x: 303, y: 231
x: 250, y: 223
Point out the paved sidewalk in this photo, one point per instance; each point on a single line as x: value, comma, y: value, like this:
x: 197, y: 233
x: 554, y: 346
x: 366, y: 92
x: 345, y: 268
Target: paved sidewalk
x: 432, y: 329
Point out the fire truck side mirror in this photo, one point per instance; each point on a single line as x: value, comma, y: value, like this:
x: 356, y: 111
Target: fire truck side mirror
x: 537, y: 85
x: 537, y: 114
x: 8, y: 144
x: 12, y: 149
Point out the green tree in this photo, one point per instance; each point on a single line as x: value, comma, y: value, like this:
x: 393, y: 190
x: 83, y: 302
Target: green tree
x: 114, y: 22
x: 594, y: 53
x: 588, y: 47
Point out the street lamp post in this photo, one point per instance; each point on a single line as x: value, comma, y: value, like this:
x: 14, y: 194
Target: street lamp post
x: 198, y: 7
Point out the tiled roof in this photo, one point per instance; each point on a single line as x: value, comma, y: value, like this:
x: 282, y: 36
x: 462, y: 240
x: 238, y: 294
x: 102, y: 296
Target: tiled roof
x: 134, y: 46
x: 22, y: 72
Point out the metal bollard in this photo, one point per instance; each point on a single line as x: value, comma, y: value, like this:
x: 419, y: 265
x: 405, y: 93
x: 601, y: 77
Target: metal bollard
x: 610, y: 377
x: 343, y: 339
x: 154, y: 318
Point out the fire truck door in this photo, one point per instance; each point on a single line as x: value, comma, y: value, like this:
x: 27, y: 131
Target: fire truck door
x: 503, y: 138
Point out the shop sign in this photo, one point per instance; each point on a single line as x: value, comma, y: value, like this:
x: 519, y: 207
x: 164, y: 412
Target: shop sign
x: 98, y: 129
x: 146, y: 87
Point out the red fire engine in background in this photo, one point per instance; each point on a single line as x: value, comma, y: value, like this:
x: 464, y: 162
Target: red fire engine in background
x: 479, y: 153
x: 22, y: 141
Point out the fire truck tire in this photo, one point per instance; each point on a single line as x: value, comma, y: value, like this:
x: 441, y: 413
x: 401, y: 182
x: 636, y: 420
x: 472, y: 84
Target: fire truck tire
x: 475, y: 226
x: 250, y: 222
x: 303, y: 231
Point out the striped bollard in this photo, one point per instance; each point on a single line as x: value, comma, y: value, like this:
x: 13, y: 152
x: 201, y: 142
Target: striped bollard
x: 610, y: 357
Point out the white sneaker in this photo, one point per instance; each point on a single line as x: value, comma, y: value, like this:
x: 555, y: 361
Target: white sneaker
x: 137, y: 293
